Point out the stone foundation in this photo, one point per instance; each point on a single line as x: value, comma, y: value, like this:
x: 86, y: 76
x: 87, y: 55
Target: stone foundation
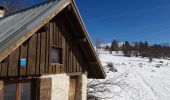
x: 82, y: 88
x: 60, y: 86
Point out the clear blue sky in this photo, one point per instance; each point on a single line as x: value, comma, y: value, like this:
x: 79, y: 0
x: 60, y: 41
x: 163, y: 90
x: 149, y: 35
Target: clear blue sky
x: 134, y: 20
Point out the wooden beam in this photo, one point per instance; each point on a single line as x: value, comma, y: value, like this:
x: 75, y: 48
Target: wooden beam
x: 72, y: 26
x: 74, y: 74
x: 80, y: 41
x: 89, y: 43
x: 92, y: 63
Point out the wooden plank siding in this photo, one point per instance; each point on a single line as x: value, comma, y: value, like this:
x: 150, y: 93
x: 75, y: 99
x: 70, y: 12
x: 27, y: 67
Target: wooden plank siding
x: 36, y: 50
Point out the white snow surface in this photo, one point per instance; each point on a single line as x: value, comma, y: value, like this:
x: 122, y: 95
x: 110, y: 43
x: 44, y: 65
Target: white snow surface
x: 146, y: 80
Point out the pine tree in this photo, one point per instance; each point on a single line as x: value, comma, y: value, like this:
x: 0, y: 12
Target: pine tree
x: 141, y: 48
x: 114, y: 45
x: 136, y: 49
x: 145, y: 49
x: 127, y: 49
x: 107, y: 48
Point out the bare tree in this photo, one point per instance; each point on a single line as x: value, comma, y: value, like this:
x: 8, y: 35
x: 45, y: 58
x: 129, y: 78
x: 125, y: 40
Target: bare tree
x: 98, y: 43
x: 110, y: 87
x: 103, y: 89
x: 11, y: 5
x: 15, y: 5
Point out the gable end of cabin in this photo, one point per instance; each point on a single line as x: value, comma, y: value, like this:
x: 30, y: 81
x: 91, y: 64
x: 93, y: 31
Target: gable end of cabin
x: 53, y: 63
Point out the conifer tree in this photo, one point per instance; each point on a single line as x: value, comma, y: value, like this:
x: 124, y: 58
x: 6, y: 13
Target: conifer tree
x: 114, y: 45
x: 127, y: 49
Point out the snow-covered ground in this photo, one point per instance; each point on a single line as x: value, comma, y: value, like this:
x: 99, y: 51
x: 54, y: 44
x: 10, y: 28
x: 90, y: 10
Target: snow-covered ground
x: 145, y: 80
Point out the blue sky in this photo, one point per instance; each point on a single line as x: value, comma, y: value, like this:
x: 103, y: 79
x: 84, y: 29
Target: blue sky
x: 26, y: 3
x: 133, y: 20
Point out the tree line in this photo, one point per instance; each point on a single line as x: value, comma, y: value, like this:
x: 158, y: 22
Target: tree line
x: 141, y: 48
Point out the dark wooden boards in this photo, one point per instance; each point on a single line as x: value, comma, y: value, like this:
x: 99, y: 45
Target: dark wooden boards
x: 36, y: 50
x: 13, y: 63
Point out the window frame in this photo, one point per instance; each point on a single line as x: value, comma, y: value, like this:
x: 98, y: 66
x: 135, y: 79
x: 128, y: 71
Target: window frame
x: 18, y: 87
x: 60, y: 55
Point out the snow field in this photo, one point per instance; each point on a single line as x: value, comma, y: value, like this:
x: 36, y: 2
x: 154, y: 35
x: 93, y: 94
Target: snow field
x: 146, y: 80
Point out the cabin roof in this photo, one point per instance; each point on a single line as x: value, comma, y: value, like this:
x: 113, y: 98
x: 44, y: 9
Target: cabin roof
x: 18, y: 27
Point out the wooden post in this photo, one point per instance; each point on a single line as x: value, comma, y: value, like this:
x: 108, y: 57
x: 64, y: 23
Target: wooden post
x: 45, y: 88
x: 1, y: 89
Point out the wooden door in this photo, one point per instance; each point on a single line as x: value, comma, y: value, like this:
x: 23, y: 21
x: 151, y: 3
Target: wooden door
x: 73, y: 88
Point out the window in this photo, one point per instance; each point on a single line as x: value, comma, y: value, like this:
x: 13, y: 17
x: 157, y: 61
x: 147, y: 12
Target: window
x: 25, y: 91
x: 56, y: 57
x: 19, y: 90
x: 9, y: 91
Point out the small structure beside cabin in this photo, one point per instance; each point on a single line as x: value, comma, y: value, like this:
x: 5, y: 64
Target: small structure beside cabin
x: 46, y: 54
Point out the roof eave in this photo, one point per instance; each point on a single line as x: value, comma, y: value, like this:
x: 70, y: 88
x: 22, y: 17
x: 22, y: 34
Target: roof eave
x: 31, y: 31
x: 103, y: 74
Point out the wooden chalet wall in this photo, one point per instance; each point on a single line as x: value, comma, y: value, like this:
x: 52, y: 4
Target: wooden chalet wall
x: 37, y: 52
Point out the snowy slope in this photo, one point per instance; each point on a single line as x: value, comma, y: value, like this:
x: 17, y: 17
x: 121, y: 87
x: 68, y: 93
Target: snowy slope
x: 146, y: 80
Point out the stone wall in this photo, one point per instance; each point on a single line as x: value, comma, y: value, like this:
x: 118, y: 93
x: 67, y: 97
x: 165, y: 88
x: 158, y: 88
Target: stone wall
x: 82, y: 88
x: 60, y: 86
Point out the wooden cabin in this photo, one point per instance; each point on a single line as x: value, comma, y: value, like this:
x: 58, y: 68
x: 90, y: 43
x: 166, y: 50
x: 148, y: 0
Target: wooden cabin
x: 46, y: 54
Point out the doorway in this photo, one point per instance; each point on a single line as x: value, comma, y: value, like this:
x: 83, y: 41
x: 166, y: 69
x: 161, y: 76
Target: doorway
x: 73, y: 87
